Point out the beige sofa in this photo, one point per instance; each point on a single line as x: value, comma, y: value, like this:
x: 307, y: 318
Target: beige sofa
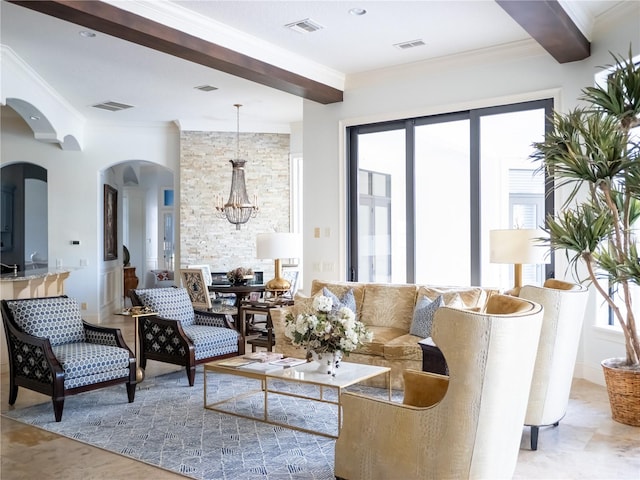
x: 387, y: 310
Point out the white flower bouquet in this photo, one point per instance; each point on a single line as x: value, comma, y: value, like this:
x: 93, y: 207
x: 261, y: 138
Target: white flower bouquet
x: 327, y: 330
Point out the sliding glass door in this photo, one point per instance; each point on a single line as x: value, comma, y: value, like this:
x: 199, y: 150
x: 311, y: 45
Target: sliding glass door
x: 425, y: 192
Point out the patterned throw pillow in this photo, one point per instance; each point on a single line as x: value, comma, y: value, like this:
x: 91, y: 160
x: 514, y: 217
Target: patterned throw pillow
x: 348, y: 300
x: 423, y: 316
x: 163, y: 275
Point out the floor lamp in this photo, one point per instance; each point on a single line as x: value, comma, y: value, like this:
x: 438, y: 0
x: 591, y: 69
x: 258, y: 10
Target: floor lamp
x: 277, y: 246
x: 520, y: 246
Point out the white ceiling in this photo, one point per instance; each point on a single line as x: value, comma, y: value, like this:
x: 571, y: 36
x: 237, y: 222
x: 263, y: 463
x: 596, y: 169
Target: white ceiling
x: 87, y: 71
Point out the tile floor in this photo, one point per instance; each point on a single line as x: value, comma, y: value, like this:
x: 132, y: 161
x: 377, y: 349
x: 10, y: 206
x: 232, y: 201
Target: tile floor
x: 586, y: 445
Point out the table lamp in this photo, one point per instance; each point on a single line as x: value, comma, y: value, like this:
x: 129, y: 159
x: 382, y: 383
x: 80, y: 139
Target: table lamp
x: 518, y: 246
x: 277, y: 246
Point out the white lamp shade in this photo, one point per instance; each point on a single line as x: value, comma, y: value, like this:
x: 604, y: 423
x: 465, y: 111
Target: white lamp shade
x: 518, y: 246
x: 278, y: 245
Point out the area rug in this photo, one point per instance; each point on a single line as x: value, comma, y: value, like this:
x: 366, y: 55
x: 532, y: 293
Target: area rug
x: 168, y: 427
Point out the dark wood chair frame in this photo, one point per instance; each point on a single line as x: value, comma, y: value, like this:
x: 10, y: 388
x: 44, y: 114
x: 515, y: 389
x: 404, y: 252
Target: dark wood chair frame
x: 52, y: 383
x: 146, y: 324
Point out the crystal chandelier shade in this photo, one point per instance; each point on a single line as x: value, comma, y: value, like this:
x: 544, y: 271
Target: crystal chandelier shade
x: 238, y: 209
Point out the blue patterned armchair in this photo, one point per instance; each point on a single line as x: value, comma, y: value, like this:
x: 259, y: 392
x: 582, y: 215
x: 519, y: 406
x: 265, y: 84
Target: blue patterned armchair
x: 54, y: 352
x: 181, y: 335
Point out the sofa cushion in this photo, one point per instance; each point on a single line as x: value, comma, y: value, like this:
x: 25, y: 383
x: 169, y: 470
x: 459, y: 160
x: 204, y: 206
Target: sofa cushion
x: 404, y: 347
x: 339, y: 289
x: 388, y: 305
x: 347, y: 300
x: 470, y: 296
x: 161, y: 275
x: 423, y: 316
x: 381, y: 337
x: 55, y: 318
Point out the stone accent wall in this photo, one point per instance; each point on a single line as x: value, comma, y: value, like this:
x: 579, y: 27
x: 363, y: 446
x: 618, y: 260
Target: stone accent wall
x: 205, y: 171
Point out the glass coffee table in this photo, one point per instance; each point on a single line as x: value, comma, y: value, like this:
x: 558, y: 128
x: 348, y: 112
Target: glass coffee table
x: 349, y: 374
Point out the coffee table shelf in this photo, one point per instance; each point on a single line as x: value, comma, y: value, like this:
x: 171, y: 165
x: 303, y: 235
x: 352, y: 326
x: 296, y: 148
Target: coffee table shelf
x: 349, y: 374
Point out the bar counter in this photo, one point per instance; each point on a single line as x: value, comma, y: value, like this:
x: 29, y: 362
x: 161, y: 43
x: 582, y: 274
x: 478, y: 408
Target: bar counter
x: 41, y: 282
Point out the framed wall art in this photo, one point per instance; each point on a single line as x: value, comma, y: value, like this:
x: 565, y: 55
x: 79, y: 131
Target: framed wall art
x: 110, y: 223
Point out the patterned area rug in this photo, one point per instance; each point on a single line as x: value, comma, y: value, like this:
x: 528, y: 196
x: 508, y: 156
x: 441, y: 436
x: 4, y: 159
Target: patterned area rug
x: 167, y: 426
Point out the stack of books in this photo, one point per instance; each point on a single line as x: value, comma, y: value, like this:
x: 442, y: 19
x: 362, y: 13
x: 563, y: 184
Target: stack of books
x: 264, y: 362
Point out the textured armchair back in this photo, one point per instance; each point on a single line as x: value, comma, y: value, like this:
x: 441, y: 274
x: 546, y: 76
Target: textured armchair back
x: 171, y: 303
x: 55, y: 318
x: 564, y: 308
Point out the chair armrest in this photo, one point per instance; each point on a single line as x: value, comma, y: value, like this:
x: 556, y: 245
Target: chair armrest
x: 153, y: 326
x: 212, y: 319
x: 32, y: 357
x: 424, y: 389
x: 104, y: 335
x: 377, y: 425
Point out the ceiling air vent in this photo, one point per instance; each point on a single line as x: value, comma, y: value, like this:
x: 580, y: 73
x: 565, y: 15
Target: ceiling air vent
x: 304, y: 26
x: 206, y: 88
x: 112, y: 106
x: 411, y: 44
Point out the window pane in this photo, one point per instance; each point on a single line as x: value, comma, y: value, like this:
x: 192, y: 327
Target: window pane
x: 442, y: 227
x: 381, y: 249
x: 512, y: 191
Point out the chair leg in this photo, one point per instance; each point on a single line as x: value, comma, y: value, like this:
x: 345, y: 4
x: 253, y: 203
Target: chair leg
x: 131, y: 391
x: 534, y: 437
x: 191, y: 375
x: 13, y: 393
x: 58, y: 405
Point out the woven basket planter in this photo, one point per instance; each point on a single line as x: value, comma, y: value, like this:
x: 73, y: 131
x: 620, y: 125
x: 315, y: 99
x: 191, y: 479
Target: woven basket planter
x: 623, y: 387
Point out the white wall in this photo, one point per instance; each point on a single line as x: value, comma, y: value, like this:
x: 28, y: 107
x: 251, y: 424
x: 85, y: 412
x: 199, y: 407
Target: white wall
x: 527, y: 72
x: 75, y: 183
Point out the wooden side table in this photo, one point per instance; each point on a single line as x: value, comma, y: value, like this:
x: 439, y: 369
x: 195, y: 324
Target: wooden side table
x: 260, y: 308
x: 130, y: 280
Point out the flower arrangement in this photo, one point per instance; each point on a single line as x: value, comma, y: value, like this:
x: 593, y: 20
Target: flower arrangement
x: 326, y: 330
x: 239, y: 275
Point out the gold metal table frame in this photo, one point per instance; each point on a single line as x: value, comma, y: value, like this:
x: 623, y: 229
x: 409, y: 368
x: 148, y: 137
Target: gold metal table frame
x: 349, y: 374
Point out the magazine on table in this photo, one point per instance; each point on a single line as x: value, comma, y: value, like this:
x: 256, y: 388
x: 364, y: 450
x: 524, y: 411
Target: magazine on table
x: 263, y: 357
x: 262, y: 367
x: 289, y: 362
x: 235, y: 362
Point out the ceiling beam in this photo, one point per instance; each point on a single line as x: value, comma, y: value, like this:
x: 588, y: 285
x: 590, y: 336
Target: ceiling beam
x: 548, y: 23
x: 108, y: 19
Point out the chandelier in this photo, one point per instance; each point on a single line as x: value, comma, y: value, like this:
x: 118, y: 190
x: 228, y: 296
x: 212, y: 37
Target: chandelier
x: 238, y: 209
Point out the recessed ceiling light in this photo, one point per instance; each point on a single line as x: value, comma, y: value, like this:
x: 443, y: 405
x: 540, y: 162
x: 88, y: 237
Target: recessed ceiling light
x: 357, y: 11
x: 87, y: 34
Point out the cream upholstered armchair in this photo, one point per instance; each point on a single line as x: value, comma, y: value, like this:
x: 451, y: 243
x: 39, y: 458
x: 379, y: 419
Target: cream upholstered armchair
x: 468, y: 425
x: 564, y: 308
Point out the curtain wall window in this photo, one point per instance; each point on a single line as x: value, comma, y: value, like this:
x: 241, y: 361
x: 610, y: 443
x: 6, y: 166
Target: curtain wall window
x: 425, y: 192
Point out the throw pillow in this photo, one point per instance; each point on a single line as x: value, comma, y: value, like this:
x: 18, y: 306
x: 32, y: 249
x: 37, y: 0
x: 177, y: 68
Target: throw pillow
x: 163, y: 275
x: 348, y: 300
x: 423, y: 316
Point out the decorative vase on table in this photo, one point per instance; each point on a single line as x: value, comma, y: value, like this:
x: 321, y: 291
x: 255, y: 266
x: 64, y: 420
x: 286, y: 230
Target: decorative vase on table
x: 327, y: 334
x: 328, y: 362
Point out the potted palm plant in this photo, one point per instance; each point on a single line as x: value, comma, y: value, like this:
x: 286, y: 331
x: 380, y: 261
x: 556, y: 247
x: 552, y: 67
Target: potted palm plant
x: 594, y: 152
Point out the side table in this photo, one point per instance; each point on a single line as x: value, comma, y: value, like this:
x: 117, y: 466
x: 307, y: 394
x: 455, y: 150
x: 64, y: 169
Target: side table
x: 260, y: 308
x: 136, y: 316
x: 432, y: 358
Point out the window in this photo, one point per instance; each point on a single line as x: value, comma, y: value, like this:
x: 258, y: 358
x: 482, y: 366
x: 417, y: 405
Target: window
x: 425, y: 192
